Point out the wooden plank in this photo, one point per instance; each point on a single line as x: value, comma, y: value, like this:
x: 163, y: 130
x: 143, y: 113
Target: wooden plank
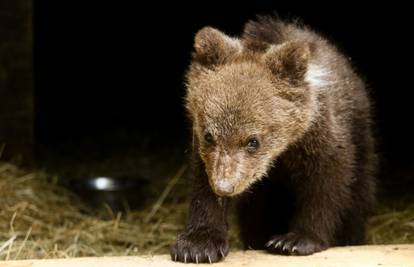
x: 364, y: 256
x: 16, y: 81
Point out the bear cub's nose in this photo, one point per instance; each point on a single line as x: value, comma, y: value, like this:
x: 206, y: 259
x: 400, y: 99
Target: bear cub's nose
x: 224, y: 187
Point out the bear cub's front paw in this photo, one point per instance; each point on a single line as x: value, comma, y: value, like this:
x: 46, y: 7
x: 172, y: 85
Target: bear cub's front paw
x: 294, y: 244
x: 202, y: 245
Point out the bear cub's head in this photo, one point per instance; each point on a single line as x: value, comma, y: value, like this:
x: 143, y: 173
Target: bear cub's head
x: 247, y: 106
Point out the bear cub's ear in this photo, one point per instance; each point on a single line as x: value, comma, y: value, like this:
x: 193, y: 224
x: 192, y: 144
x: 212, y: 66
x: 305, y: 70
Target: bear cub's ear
x: 213, y: 47
x: 289, y: 61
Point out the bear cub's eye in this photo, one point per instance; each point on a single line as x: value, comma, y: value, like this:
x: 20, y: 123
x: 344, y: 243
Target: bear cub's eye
x: 252, y: 144
x: 209, y: 138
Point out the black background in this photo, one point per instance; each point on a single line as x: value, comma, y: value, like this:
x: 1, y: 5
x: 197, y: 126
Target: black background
x: 106, y: 66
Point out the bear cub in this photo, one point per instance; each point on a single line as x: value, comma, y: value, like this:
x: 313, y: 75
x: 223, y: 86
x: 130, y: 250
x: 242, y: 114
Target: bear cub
x: 281, y: 125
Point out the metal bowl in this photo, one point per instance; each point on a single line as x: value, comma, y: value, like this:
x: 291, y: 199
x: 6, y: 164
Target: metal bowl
x: 119, y: 193
x: 103, y: 183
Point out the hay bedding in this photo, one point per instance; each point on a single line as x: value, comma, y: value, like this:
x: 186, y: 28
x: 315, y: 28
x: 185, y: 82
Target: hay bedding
x: 39, y: 219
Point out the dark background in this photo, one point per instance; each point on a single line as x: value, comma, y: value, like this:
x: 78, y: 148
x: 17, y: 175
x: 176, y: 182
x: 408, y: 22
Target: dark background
x: 111, y: 66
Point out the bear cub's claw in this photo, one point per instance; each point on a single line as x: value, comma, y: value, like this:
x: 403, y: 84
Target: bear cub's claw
x: 294, y: 244
x: 201, y: 246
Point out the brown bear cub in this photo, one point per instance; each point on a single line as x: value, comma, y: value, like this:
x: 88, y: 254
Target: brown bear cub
x: 281, y: 124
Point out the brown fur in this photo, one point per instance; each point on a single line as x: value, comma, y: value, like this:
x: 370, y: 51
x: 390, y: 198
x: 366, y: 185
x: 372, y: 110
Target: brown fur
x: 310, y: 181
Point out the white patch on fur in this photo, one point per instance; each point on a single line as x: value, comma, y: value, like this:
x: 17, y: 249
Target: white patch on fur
x: 318, y: 76
x: 234, y: 42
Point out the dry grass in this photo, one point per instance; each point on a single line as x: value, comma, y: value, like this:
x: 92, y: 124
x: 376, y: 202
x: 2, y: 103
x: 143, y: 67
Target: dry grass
x: 393, y: 222
x: 39, y: 219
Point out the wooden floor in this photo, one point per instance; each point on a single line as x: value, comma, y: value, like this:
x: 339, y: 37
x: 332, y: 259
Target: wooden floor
x: 364, y: 256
